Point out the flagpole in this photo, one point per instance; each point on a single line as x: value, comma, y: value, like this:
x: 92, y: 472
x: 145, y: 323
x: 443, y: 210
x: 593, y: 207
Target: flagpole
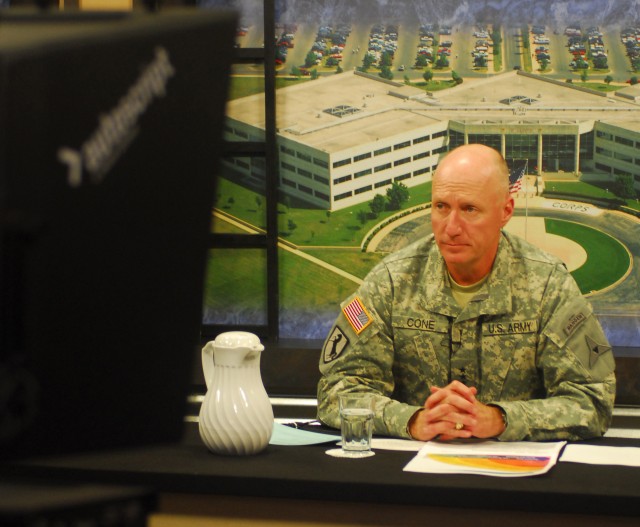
x: 526, y: 198
x: 516, y: 177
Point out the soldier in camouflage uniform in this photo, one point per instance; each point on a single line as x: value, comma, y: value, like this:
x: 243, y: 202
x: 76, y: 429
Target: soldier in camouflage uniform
x: 472, y: 332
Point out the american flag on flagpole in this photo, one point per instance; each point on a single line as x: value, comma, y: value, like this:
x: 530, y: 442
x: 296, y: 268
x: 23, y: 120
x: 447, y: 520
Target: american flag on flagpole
x: 515, y: 179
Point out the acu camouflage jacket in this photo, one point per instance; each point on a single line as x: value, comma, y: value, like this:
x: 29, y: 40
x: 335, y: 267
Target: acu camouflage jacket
x: 528, y: 341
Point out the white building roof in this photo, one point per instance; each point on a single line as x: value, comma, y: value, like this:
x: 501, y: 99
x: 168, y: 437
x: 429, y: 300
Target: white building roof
x: 373, y: 109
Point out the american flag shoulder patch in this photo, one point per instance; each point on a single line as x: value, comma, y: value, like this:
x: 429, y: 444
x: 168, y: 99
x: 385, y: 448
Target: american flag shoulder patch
x: 357, y: 315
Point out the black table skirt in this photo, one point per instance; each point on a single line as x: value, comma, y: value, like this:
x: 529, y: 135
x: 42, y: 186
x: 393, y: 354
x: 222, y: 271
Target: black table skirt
x: 306, y: 472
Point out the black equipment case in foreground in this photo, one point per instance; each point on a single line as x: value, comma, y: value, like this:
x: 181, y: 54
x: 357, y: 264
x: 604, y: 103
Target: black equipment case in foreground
x: 110, y: 132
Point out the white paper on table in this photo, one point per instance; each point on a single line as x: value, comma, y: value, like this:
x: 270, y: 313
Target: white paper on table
x: 487, y: 458
x: 404, y: 445
x: 602, y: 455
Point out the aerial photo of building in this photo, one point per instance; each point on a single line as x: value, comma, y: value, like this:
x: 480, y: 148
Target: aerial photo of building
x: 345, y: 138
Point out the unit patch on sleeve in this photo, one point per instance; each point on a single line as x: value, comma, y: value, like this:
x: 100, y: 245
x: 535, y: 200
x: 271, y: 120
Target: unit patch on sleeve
x: 596, y: 350
x: 357, y: 315
x: 334, y: 345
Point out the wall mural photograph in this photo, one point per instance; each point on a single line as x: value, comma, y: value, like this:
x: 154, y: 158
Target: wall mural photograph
x: 370, y: 95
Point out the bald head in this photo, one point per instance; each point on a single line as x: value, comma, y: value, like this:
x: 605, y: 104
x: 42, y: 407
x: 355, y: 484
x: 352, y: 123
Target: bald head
x: 477, y: 161
x: 470, y: 204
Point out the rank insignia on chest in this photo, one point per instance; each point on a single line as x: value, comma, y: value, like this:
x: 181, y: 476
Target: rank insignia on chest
x: 357, y: 315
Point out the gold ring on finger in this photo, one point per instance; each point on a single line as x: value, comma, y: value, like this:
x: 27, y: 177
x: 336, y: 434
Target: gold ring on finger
x: 459, y: 426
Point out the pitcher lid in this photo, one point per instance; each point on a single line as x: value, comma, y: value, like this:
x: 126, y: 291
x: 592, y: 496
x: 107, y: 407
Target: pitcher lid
x: 237, y: 339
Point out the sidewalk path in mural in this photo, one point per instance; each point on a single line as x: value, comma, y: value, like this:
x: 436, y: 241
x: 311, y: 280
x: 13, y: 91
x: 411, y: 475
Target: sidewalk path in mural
x: 288, y: 247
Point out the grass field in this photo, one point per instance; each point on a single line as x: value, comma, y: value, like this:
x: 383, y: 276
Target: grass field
x: 245, y: 85
x: 589, y: 190
x: 607, y: 259
x: 597, y: 189
x: 434, y: 85
x: 237, y: 280
x: 240, y: 276
x: 314, y: 227
x: 355, y: 262
x: 598, y: 86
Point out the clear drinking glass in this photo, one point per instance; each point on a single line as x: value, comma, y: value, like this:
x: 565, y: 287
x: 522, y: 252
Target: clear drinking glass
x: 356, y: 418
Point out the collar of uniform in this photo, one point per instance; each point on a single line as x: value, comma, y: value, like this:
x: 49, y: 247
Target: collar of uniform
x: 494, y: 297
x: 435, y: 285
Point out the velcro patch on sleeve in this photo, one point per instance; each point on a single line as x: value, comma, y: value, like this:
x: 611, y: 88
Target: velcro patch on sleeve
x: 569, y: 320
x: 357, y: 315
x: 574, y: 320
x: 596, y: 350
x: 335, y: 344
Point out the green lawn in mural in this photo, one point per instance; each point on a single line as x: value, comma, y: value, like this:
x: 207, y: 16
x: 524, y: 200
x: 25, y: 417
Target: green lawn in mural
x: 594, y: 189
x: 579, y: 188
x: 607, y: 259
x: 310, y: 286
x: 238, y: 278
x: 313, y: 227
x: 358, y: 263
x: 245, y: 85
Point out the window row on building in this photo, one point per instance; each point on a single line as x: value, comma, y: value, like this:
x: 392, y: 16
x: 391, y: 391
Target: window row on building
x: 289, y: 171
x: 617, y: 154
x: 389, y: 165
x: 626, y: 141
x: 382, y: 184
x: 305, y: 189
x: 622, y: 156
x: 542, y: 151
x: 616, y: 171
x: 305, y: 173
x: 303, y: 156
x: 388, y: 149
x: 238, y: 132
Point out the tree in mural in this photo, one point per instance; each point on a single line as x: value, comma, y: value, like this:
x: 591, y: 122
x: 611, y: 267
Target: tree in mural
x: 377, y: 205
x: 421, y: 61
x: 310, y: 59
x: 624, y: 187
x: 442, y: 62
x: 386, y: 73
x: 367, y: 62
x: 397, y: 194
x: 363, y: 216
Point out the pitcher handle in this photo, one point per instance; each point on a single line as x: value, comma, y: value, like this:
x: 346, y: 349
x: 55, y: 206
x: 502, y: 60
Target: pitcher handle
x: 207, y: 363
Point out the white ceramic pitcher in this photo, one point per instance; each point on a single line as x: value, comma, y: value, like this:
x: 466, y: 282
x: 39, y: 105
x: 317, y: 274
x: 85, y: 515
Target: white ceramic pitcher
x: 236, y: 417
